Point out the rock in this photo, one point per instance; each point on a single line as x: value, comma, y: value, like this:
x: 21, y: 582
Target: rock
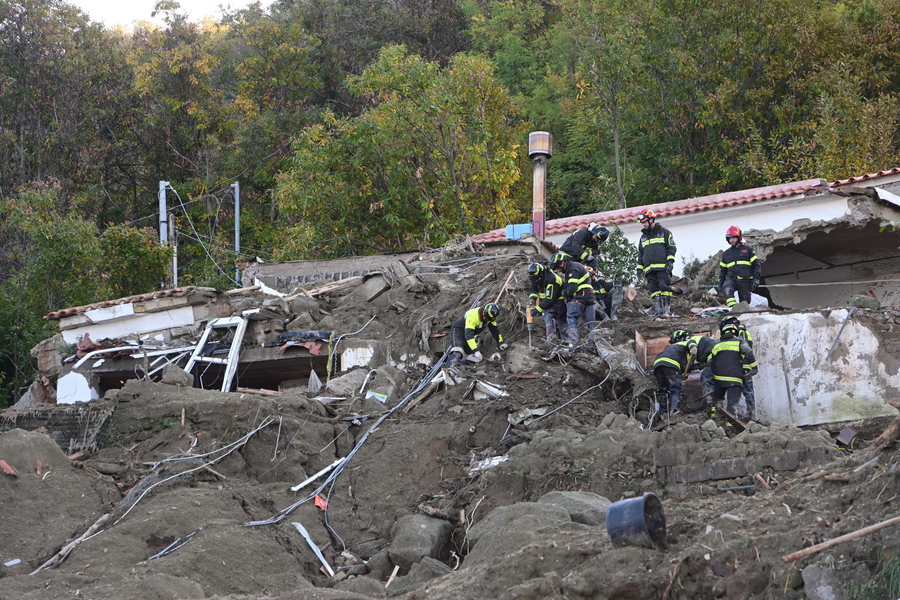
x: 419, y: 574
x: 303, y: 304
x: 174, y: 375
x: 363, y: 585
x: 863, y: 301
x: 370, y: 289
x: 415, y: 537
x: 820, y: 584
x: 346, y: 385
x: 583, y: 507
x: 305, y: 321
x: 508, y: 528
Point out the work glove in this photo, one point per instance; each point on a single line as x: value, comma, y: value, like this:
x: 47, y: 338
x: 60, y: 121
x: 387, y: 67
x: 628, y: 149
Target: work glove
x: 474, y: 358
x: 504, y: 346
x: 535, y: 312
x: 640, y: 273
x: 754, y: 285
x: 669, y: 268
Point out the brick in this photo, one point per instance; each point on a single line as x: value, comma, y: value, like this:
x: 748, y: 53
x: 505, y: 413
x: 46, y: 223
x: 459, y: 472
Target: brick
x: 668, y: 456
x: 781, y: 461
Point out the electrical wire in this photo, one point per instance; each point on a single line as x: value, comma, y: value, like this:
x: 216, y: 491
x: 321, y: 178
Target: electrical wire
x: 202, y: 245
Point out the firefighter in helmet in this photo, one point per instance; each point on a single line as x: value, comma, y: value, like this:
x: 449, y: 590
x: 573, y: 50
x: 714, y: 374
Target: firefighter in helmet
x: 584, y: 244
x: 656, y: 259
x: 739, y: 268
x: 464, y: 333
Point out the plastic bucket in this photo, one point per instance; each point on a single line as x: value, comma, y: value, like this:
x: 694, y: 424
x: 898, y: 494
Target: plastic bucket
x: 637, y: 522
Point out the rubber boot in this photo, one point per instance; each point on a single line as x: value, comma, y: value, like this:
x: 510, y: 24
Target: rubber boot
x: 667, y: 306
x: 657, y: 310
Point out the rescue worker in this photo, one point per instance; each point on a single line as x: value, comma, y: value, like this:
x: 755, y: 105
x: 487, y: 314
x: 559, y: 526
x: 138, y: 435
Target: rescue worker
x: 464, y: 333
x: 705, y: 344
x: 732, y: 361
x: 749, y: 394
x: 670, y: 367
x: 602, y: 289
x: 578, y: 293
x: 656, y: 259
x: 739, y: 268
x: 546, y: 299
x: 583, y: 245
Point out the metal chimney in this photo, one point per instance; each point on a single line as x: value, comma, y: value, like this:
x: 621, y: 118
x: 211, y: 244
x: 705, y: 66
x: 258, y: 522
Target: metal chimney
x: 540, y: 148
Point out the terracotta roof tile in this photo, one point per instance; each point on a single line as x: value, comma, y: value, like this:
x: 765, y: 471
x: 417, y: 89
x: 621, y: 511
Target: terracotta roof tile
x: 840, y: 182
x: 678, y: 207
x: 68, y: 312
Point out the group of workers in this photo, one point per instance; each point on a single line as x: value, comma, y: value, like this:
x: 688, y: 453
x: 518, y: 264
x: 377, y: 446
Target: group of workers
x: 727, y: 368
x: 739, y: 268
x: 570, y: 290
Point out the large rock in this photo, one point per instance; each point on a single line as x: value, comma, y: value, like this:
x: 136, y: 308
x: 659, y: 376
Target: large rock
x: 509, y: 528
x: 419, y: 574
x: 820, y: 584
x: 414, y: 537
x: 583, y: 507
x: 346, y: 385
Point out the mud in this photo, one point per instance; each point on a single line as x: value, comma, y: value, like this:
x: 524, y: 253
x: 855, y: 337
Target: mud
x: 197, y: 484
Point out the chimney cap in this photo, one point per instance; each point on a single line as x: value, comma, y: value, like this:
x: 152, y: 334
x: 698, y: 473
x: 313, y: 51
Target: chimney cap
x: 540, y: 143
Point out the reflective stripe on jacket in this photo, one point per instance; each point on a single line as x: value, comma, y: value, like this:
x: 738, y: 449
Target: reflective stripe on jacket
x: 730, y: 360
x: 473, y: 325
x: 738, y: 262
x: 677, y: 355
x: 656, y: 249
x: 581, y: 245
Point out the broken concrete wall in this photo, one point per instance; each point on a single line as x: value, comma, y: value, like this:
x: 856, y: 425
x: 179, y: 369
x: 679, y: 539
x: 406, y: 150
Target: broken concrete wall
x: 825, y: 259
x: 800, y: 383
x: 287, y: 277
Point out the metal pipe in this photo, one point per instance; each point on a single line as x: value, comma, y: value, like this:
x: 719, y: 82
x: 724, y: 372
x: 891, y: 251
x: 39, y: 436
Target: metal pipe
x: 540, y: 148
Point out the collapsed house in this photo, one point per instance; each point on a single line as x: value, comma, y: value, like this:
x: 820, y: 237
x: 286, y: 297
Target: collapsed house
x: 821, y: 244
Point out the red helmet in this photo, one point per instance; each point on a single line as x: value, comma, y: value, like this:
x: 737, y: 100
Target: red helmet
x: 733, y: 231
x: 645, y: 215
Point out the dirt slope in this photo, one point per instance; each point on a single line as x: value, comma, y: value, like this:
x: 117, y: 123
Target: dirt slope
x: 196, y: 472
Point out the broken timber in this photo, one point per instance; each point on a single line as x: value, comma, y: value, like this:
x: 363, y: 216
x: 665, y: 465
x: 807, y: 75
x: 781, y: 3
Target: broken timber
x: 839, y: 540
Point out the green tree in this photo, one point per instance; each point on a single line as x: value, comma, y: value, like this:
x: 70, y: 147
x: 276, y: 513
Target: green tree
x: 132, y: 260
x: 440, y: 152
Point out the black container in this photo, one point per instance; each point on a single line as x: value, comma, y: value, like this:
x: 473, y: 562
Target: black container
x: 637, y: 522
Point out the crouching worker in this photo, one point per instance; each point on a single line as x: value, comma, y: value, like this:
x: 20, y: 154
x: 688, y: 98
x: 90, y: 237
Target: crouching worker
x: 464, y: 333
x: 732, y: 360
x: 546, y: 299
x: 669, y: 369
x: 578, y: 293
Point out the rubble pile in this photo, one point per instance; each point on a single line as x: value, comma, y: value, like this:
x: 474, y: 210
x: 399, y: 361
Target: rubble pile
x: 403, y: 479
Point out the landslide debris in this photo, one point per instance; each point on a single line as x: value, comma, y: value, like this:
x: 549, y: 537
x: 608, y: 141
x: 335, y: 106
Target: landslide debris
x: 463, y: 494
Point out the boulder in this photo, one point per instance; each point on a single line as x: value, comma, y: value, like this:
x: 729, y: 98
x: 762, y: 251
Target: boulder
x: 583, y: 507
x: 507, y: 529
x: 415, y: 537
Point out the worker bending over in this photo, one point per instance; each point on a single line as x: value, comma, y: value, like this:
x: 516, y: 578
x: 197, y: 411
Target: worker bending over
x: 578, y: 293
x: 670, y: 368
x: 584, y: 245
x: 546, y: 299
x: 464, y: 333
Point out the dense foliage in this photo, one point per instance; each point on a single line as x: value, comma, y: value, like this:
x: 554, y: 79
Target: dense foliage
x: 359, y: 127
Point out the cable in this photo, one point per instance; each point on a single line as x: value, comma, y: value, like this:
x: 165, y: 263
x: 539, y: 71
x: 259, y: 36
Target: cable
x: 202, y: 245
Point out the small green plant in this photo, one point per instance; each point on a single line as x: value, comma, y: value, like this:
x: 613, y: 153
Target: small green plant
x: 884, y: 585
x: 618, y: 258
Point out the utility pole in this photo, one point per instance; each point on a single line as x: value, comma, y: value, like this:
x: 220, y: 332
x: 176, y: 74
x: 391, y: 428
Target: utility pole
x: 164, y: 229
x: 236, y: 187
